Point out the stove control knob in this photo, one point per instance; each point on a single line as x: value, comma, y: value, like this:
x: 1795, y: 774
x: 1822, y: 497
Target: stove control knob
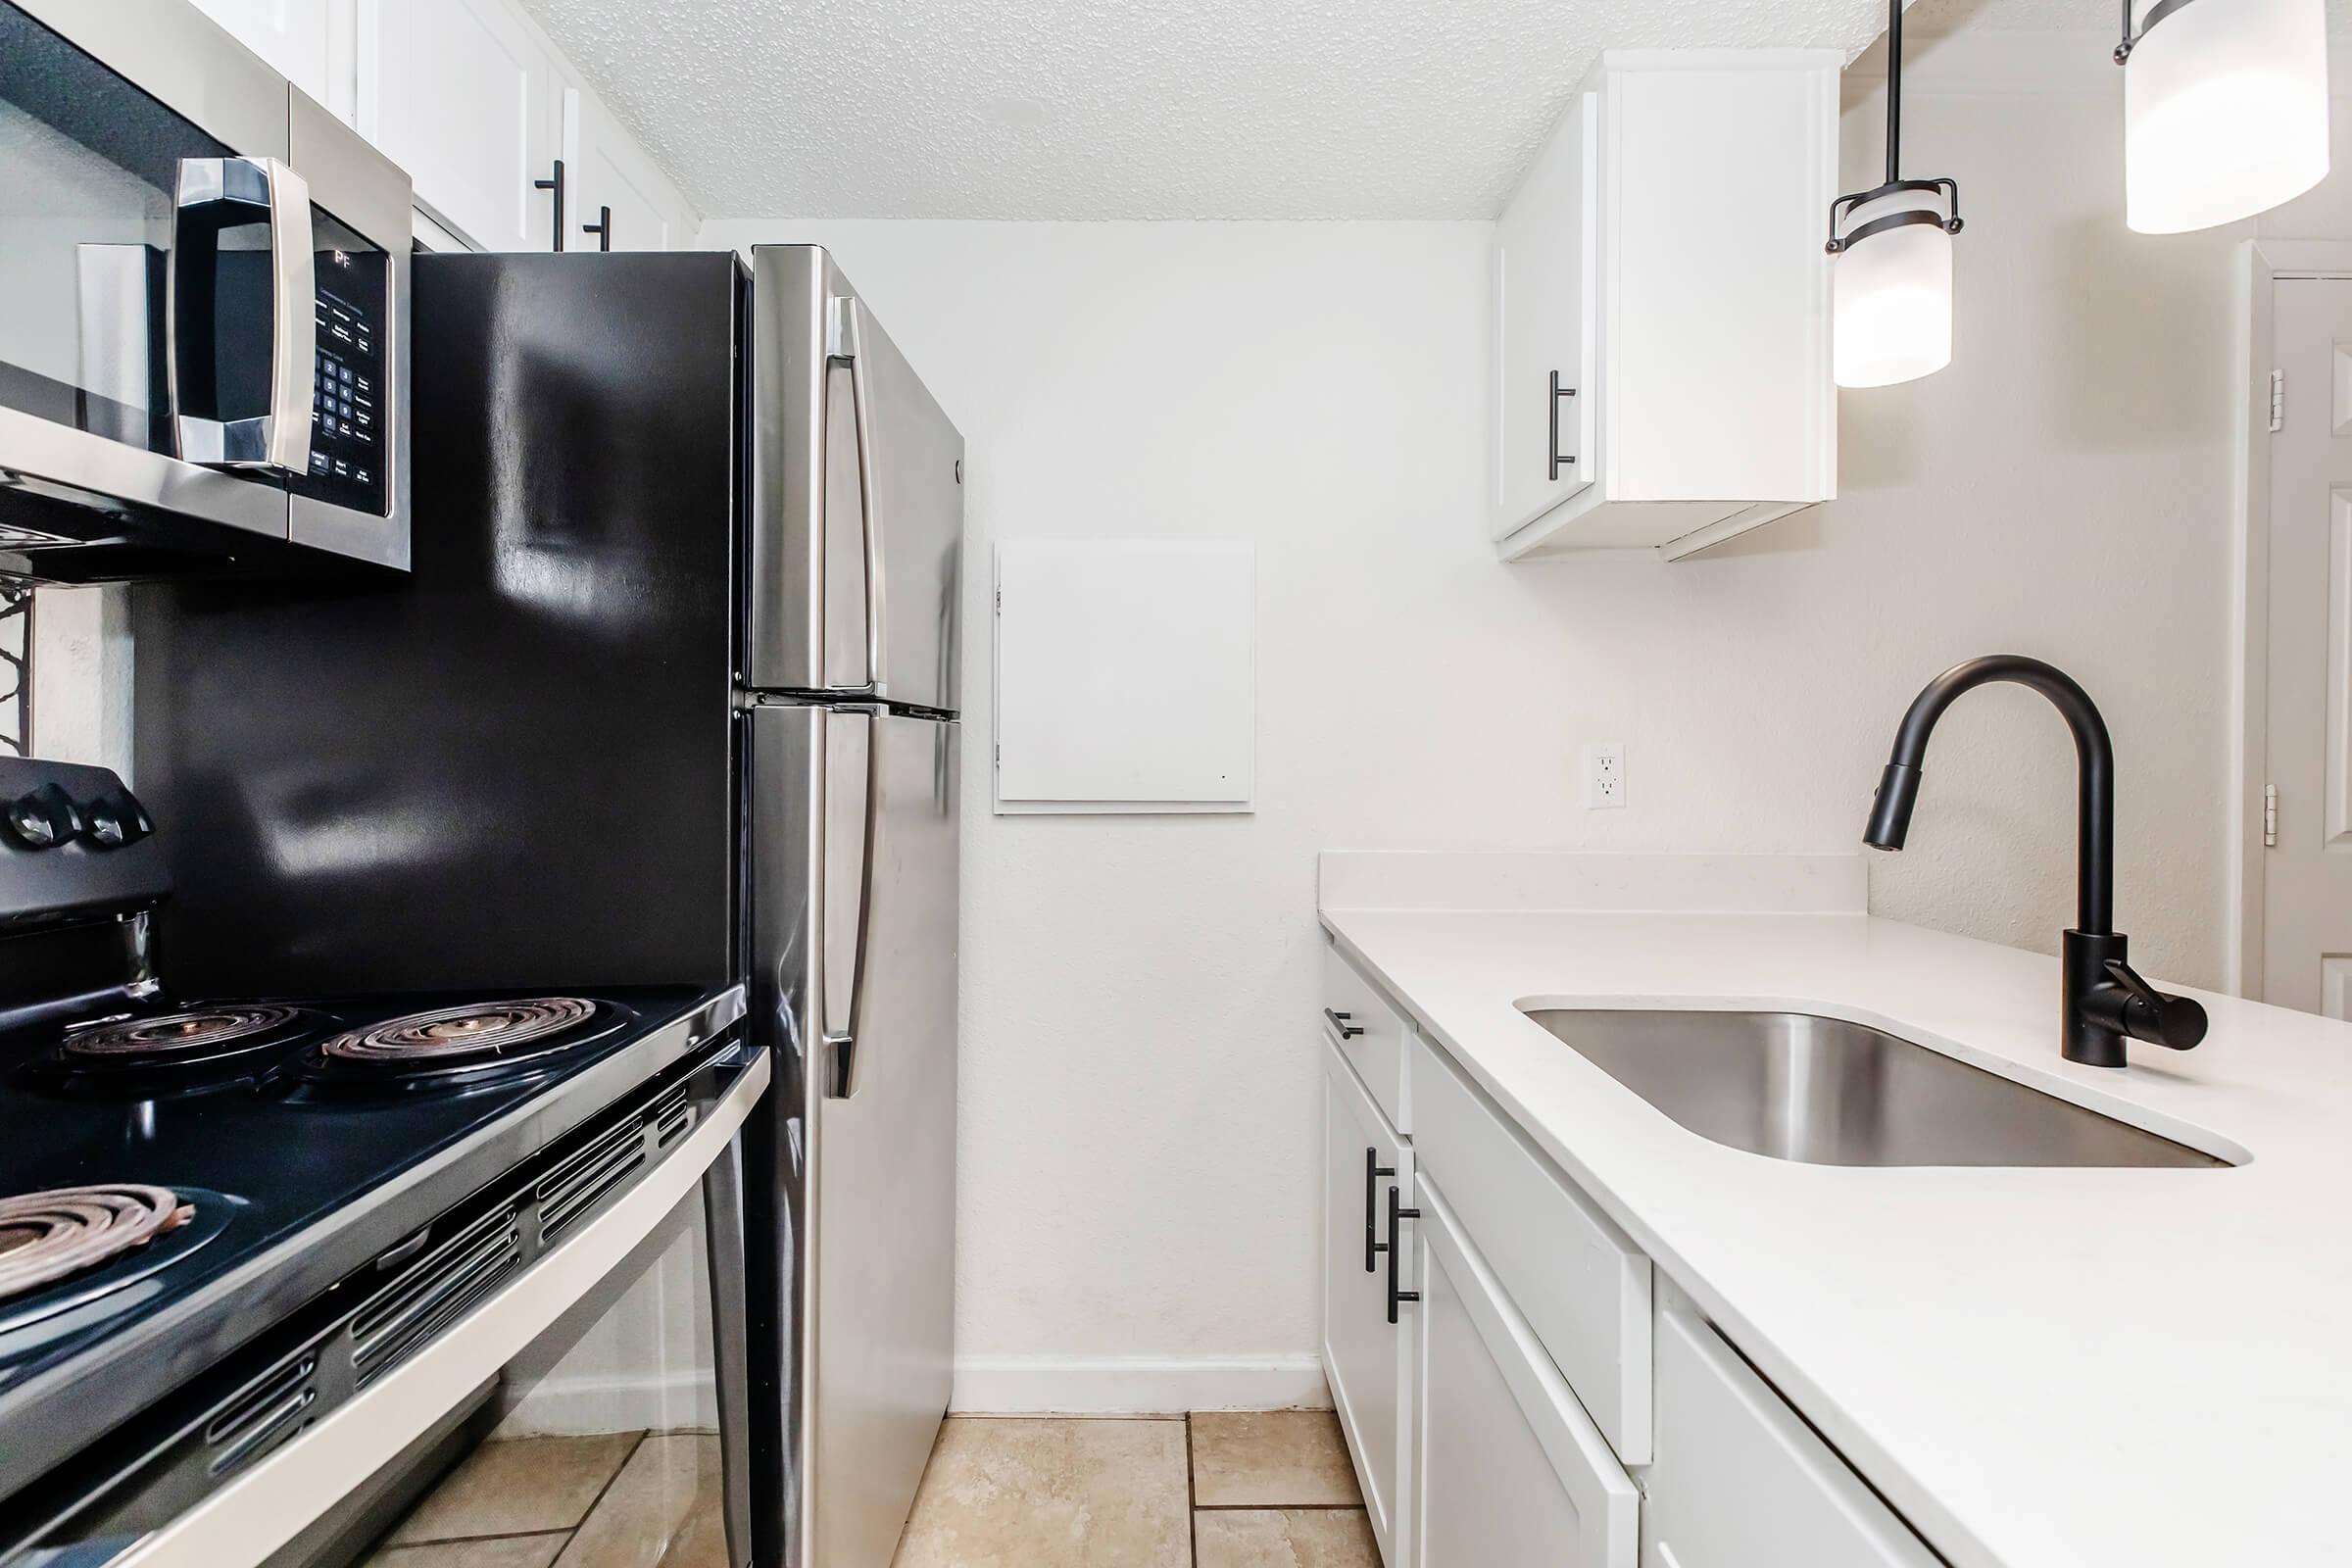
x: 42, y: 819
x: 115, y: 819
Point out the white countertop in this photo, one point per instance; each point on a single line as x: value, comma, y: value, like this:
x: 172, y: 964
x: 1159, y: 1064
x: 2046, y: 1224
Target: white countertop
x: 2040, y: 1369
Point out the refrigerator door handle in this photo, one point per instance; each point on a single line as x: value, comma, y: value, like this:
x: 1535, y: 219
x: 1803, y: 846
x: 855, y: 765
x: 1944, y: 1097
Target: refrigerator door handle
x: 848, y: 893
x: 845, y: 344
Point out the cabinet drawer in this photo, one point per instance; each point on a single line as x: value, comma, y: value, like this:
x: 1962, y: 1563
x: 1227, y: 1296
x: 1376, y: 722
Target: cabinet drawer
x: 1740, y: 1482
x: 1371, y: 1034
x: 1507, y: 1468
x: 1579, y: 1282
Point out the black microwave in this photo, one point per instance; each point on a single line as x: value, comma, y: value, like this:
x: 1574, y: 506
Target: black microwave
x: 204, y: 308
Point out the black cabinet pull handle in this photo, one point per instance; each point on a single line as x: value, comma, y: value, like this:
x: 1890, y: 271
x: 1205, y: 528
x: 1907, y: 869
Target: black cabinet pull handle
x: 553, y: 184
x: 1338, y: 1021
x: 601, y: 228
x: 1552, y: 448
x: 1398, y: 1298
x: 1374, y: 1170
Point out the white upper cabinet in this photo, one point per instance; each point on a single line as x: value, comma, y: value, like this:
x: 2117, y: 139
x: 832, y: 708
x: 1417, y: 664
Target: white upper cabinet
x: 612, y: 181
x: 1663, y: 306
x: 309, y: 42
x: 463, y: 94
x: 1544, y: 334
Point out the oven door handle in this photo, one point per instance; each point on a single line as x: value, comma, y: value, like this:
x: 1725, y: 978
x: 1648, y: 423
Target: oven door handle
x: 216, y: 193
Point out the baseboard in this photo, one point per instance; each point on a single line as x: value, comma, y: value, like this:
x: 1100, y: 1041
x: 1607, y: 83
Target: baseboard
x: 1055, y: 1384
x: 681, y: 1400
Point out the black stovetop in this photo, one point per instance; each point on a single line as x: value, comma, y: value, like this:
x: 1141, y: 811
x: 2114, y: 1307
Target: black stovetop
x: 298, y: 1170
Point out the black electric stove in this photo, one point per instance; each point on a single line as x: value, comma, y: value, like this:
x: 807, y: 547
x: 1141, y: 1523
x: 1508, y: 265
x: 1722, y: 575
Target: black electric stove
x: 179, y: 1178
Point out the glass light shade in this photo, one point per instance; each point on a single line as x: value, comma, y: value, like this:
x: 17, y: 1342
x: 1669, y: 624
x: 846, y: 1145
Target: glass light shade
x: 2225, y: 112
x: 1893, y: 295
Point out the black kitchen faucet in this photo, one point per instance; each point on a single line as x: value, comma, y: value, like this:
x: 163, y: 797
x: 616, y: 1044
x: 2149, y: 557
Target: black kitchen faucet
x: 2104, y: 999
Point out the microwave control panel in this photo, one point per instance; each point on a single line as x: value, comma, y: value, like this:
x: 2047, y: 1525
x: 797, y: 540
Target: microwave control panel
x: 347, y: 419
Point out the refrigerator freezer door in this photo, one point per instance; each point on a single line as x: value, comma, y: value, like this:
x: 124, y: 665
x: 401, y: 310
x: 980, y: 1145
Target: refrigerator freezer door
x: 858, y: 499
x: 861, y: 1186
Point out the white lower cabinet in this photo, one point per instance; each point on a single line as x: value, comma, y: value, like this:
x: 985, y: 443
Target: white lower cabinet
x: 1742, y: 1482
x: 1507, y: 1467
x: 1363, y: 1353
x: 1536, y: 1363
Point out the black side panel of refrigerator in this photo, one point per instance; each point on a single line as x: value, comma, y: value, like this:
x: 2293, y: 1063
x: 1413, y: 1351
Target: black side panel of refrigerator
x: 516, y: 766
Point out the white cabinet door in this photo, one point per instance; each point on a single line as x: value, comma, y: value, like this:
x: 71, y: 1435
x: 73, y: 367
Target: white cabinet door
x: 1742, y: 1482
x: 613, y: 182
x: 1364, y: 1354
x: 461, y: 94
x: 298, y: 37
x: 1507, y: 1467
x: 1543, y: 310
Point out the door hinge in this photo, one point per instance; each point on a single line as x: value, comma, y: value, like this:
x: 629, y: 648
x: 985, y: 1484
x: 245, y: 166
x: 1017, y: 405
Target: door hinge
x: 2270, y: 817
x: 2277, y: 400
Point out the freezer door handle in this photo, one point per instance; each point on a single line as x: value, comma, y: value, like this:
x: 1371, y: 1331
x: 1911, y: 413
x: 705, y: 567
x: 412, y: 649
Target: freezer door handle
x: 845, y: 344
x: 848, y: 889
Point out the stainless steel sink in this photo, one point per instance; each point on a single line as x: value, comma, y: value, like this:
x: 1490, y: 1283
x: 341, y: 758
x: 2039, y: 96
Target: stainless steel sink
x: 1825, y: 1092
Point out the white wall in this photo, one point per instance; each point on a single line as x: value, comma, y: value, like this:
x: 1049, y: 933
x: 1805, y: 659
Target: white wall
x: 1140, y: 995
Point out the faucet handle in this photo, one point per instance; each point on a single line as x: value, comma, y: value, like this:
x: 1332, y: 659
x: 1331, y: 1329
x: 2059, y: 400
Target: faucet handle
x: 2144, y: 1013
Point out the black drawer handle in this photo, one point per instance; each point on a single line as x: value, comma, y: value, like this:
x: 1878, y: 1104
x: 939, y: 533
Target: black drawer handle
x: 1398, y: 1298
x: 1338, y: 1021
x: 1374, y: 1170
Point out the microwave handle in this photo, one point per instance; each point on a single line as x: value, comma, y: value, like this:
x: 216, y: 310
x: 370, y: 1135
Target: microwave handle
x: 845, y: 344
x: 280, y: 439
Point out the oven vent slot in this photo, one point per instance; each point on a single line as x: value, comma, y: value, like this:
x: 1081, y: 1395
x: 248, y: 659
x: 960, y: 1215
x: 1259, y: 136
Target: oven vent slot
x: 434, y: 1292
x: 262, y: 1415
x: 671, y: 1118
x: 281, y: 1421
x: 571, y: 1192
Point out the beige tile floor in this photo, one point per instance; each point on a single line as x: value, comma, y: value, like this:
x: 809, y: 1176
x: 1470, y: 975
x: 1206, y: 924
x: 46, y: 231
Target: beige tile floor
x: 1206, y: 1490
x: 637, y: 1498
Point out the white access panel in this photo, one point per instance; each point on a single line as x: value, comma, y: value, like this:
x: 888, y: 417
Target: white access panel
x: 1126, y: 675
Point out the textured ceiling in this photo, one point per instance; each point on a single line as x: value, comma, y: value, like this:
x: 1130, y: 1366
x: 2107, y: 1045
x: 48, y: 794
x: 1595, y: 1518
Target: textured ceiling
x: 1935, y: 16
x: 1094, y: 109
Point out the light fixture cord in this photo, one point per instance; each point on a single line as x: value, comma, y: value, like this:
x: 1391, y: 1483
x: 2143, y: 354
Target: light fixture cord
x: 1894, y: 90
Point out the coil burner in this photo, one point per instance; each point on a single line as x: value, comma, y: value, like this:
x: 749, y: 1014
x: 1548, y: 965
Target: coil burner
x: 174, y: 1038
x: 459, y: 1045
x: 198, y: 1051
x: 45, y: 1237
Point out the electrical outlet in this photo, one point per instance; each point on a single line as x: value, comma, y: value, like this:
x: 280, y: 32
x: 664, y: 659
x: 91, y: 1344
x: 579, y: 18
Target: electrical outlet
x: 1604, y: 775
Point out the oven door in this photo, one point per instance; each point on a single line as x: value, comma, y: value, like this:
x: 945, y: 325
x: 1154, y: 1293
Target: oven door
x: 590, y: 1409
x: 198, y: 267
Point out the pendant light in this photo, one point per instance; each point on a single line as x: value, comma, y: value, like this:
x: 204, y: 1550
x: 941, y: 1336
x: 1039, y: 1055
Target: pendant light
x: 1893, y: 245
x: 2224, y: 109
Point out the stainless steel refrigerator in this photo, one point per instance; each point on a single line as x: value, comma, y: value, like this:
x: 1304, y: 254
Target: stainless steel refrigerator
x: 669, y: 697
x: 852, y: 696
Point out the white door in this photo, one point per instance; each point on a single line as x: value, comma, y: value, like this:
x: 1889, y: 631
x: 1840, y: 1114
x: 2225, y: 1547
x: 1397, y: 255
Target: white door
x: 461, y: 94
x: 306, y: 41
x: 1543, y: 310
x: 2306, y: 877
x: 1364, y: 1354
x: 1507, y: 1467
x: 614, y: 186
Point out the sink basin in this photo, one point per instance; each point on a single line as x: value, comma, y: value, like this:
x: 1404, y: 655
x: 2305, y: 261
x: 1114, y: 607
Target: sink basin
x: 1825, y: 1092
